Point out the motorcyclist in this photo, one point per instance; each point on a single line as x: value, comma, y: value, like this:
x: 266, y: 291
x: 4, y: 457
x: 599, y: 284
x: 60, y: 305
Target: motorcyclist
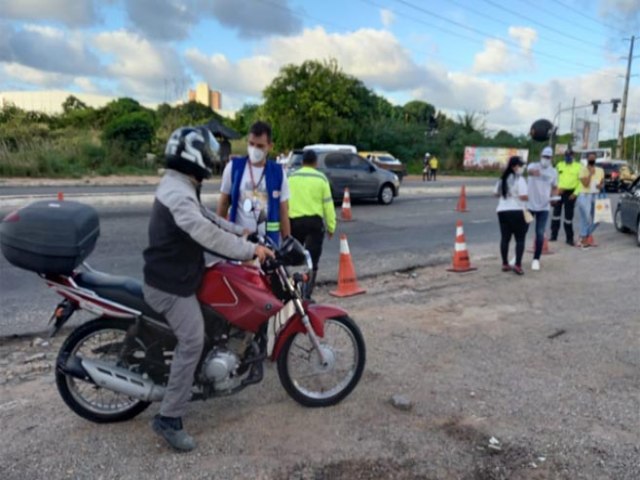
x: 180, y: 230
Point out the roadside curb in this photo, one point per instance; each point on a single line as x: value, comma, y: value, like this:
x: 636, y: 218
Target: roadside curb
x: 106, y: 199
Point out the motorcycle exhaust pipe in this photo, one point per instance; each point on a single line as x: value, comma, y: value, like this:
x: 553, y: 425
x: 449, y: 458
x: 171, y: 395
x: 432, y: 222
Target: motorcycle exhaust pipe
x: 122, y: 381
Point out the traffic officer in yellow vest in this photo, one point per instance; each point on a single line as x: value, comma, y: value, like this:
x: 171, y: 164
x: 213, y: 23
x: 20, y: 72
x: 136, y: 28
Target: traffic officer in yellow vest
x: 568, y: 182
x: 311, y: 211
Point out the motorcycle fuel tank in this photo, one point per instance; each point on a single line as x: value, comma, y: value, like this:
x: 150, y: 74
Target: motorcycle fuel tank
x: 240, y: 294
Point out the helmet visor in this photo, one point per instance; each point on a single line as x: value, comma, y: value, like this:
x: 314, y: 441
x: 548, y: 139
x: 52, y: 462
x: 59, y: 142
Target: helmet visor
x: 211, y: 153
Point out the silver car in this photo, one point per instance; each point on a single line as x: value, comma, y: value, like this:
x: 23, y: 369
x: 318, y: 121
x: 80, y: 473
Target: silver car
x: 346, y: 169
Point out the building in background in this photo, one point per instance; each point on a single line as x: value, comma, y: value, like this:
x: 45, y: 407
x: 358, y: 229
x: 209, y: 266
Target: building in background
x: 204, y: 95
x: 50, y: 101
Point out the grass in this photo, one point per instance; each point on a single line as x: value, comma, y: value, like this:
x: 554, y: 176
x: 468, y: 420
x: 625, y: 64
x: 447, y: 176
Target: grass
x: 69, y: 158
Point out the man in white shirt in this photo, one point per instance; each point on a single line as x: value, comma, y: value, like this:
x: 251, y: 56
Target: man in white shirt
x: 252, y: 184
x: 542, y: 183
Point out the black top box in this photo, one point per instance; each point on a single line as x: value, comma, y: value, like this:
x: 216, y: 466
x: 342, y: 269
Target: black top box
x: 50, y: 237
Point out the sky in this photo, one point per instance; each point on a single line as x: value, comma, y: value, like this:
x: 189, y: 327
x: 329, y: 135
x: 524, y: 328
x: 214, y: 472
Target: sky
x: 508, y: 61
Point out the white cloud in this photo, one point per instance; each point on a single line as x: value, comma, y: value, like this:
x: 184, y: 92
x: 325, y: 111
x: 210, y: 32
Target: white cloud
x: 625, y: 7
x: 143, y: 68
x: 248, y: 76
x: 163, y: 19
x: 493, y: 59
x: 35, y: 77
x: 498, y: 58
x: 387, y: 17
x: 374, y: 56
x: 49, y: 49
x: 73, y: 13
x: 254, y: 19
x: 526, y: 36
x: 624, y: 14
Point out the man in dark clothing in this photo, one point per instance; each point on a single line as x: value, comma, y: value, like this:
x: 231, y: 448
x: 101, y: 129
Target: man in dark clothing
x: 180, y: 230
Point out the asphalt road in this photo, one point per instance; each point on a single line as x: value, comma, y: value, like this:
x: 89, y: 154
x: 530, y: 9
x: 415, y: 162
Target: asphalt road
x: 212, y: 186
x: 413, y: 231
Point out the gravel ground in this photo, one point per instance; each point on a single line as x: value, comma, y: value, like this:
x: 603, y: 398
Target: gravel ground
x: 533, y: 377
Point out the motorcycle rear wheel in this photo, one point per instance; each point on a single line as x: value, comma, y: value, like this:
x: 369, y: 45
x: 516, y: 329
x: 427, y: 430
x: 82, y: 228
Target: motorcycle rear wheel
x: 312, y: 384
x: 100, y: 339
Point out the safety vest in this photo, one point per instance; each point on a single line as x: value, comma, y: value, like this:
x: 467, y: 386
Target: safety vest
x: 273, y: 175
x: 568, y: 175
x: 310, y: 195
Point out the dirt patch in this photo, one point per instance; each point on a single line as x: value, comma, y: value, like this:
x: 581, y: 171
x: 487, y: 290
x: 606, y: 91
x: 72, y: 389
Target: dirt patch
x: 471, y: 352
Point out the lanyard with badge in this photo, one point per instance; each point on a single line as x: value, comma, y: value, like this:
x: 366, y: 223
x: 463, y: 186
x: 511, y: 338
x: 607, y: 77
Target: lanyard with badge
x: 250, y: 204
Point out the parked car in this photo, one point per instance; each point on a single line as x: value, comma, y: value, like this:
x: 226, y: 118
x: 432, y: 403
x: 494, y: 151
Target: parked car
x: 617, y: 175
x: 386, y: 161
x: 346, y: 169
x: 627, y: 216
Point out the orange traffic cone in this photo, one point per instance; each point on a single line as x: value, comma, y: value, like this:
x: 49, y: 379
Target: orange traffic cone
x: 60, y: 196
x: 347, y: 283
x: 462, y: 201
x: 346, y: 207
x: 545, y: 247
x: 461, y: 261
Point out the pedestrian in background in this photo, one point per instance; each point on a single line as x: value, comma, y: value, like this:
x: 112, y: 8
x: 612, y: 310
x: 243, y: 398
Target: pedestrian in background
x: 513, y: 194
x: 433, y: 167
x: 541, y: 184
x: 311, y: 211
x: 591, y: 182
x: 425, y: 166
x: 568, y: 185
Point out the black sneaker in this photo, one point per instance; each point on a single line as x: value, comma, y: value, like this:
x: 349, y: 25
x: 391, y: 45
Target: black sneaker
x: 571, y: 243
x: 553, y: 239
x: 517, y: 269
x: 170, y: 428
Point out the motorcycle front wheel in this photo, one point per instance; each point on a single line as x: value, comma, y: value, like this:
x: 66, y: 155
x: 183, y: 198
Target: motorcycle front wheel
x: 313, y: 384
x: 100, y: 339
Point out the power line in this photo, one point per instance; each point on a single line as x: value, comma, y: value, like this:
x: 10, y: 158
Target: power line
x: 584, y: 15
x: 508, y: 24
x: 489, y: 35
x: 540, y: 24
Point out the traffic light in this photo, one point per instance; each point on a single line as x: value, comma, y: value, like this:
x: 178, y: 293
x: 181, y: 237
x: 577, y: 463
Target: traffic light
x: 595, y: 104
x: 615, y: 102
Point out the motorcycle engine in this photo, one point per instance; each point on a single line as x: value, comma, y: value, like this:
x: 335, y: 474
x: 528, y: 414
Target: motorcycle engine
x: 220, y: 368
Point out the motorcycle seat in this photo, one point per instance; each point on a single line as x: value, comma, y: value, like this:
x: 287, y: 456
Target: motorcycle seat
x: 119, y: 289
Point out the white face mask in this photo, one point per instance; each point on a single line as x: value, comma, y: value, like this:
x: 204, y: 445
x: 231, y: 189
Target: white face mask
x: 256, y: 155
x: 545, y: 162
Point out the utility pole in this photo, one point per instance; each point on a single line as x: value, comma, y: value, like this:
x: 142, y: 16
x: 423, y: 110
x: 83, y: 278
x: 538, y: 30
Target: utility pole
x: 625, y: 96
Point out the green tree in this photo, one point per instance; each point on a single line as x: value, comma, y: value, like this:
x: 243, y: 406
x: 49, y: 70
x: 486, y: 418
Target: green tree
x: 418, y: 111
x: 317, y: 102
x: 245, y: 117
x: 72, y: 103
x: 130, y: 132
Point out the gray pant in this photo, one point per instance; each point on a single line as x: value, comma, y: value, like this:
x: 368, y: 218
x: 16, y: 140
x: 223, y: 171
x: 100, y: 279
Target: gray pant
x: 185, y: 318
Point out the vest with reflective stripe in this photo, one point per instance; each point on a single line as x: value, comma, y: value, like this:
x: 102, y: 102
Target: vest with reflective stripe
x: 273, y: 176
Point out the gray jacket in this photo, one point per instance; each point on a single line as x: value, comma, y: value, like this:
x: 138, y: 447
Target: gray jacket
x: 180, y: 230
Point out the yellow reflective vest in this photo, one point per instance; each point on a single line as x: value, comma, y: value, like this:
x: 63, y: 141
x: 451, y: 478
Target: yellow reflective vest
x: 310, y: 195
x: 568, y: 175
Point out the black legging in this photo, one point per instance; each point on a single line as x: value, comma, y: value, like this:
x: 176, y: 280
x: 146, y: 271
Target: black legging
x: 512, y: 223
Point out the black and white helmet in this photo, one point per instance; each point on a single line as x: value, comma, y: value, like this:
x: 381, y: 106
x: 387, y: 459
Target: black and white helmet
x: 192, y: 151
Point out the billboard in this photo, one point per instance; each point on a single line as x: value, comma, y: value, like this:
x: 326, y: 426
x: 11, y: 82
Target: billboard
x: 480, y: 158
x: 585, y: 134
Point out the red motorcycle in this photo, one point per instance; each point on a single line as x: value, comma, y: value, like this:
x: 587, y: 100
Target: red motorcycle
x: 111, y: 368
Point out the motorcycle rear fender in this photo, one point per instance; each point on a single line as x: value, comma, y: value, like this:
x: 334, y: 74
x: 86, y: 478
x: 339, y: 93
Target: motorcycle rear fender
x: 317, y: 314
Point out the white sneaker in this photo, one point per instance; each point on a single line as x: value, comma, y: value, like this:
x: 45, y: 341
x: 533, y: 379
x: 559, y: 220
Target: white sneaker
x: 535, y: 265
